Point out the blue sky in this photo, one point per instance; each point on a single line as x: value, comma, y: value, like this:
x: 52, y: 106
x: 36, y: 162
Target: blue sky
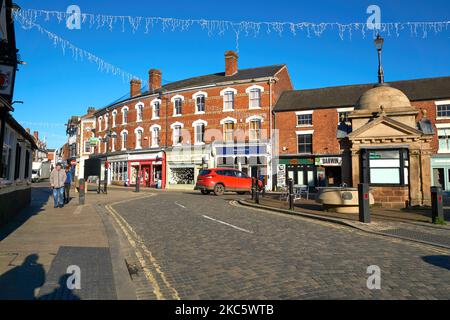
x: 54, y: 86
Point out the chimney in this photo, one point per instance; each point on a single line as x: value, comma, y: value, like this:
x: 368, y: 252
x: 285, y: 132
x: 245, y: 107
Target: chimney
x: 231, y: 63
x: 154, y: 79
x: 27, y: 130
x: 36, y: 135
x: 90, y: 110
x: 135, y: 87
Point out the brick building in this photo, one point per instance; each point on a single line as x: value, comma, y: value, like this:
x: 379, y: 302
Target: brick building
x: 169, y: 132
x: 314, y: 124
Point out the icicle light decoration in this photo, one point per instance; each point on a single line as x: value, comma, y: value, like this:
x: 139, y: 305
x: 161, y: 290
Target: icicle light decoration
x: 220, y: 27
x: 77, y: 53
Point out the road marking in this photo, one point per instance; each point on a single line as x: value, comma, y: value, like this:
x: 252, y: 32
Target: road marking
x: 180, y: 205
x: 137, y: 243
x: 227, y: 224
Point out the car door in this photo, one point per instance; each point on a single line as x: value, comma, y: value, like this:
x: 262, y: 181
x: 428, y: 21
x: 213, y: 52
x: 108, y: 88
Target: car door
x: 243, y: 182
x: 230, y: 178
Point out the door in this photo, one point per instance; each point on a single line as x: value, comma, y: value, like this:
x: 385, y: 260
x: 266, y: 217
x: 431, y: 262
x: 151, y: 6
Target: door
x: 146, y: 176
x: 438, y: 177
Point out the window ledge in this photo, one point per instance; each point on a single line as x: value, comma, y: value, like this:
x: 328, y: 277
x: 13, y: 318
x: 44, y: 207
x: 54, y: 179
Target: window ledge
x: 155, y: 118
x: 304, y: 126
x: 199, y: 143
x: 200, y: 112
x: 176, y: 115
x: 228, y: 110
x: 254, y: 108
x: 442, y: 118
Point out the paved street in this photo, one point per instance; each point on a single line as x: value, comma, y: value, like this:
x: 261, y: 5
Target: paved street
x: 203, y: 247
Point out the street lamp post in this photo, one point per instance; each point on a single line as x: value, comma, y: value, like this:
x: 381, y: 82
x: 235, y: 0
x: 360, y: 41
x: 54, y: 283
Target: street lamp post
x: 108, y: 137
x: 379, y: 41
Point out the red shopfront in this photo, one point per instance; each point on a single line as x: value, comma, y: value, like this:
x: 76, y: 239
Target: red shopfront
x: 149, y: 167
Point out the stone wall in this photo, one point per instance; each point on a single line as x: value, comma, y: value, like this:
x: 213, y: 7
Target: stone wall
x: 391, y: 196
x: 12, y: 200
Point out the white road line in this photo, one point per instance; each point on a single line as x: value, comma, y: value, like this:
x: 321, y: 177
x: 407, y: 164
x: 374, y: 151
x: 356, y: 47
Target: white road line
x: 180, y: 205
x: 227, y: 224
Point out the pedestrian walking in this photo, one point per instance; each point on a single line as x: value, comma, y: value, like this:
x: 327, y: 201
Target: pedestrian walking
x: 57, y: 180
x: 67, y: 185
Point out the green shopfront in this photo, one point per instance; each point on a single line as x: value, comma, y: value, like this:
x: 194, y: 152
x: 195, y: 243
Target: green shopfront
x: 313, y: 171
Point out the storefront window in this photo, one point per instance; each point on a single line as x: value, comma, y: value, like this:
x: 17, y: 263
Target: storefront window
x: 255, y: 130
x: 181, y: 176
x: 385, y: 166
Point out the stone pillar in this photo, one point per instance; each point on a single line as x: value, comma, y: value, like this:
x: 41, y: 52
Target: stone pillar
x: 415, y: 183
x: 355, y: 168
x: 426, y: 177
x: 346, y: 168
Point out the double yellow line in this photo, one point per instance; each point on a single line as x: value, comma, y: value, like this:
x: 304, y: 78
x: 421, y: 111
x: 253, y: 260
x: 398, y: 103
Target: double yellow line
x: 142, y: 252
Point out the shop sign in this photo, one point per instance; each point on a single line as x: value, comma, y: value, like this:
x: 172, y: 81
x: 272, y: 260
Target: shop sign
x: 297, y: 161
x: 329, y: 161
x: 136, y: 163
x: 241, y: 150
x: 281, y: 175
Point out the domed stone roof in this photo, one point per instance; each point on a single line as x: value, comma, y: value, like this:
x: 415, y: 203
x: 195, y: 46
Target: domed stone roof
x: 386, y: 96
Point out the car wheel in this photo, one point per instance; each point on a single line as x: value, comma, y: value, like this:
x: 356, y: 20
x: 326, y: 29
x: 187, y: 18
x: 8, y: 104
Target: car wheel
x: 219, y: 189
x: 241, y: 192
x: 206, y: 192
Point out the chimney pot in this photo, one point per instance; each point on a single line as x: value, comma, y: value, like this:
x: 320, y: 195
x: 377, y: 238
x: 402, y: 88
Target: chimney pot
x: 231, y: 63
x: 135, y: 87
x: 154, y: 79
x: 36, y: 135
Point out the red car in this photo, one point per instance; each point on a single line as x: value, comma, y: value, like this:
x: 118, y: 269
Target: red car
x: 219, y: 180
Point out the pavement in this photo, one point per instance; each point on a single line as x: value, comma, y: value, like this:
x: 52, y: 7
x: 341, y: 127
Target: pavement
x: 38, y: 247
x: 184, y: 245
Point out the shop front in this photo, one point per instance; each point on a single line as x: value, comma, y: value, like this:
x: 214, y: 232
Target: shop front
x: 118, y: 174
x: 149, y: 167
x: 184, y: 165
x: 329, y: 171
x: 252, y: 159
x: 440, y: 171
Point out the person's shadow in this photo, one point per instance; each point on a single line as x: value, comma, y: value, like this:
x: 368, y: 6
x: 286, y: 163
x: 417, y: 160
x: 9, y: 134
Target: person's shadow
x: 21, y: 282
x: 62, y: 292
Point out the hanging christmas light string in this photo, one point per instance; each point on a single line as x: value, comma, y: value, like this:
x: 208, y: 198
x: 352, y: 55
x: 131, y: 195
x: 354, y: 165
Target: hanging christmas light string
x: 220, y: 27
x: 77, y: 53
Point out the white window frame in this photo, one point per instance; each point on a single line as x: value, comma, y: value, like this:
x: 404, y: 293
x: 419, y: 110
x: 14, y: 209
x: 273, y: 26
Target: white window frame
x: 249, y: 90
x: 123, y: 113
x: 441, y: 103
x: 153, y: 103
x: 113, y: 142
x: 300, y: 113
x: 123, y: 145
x: 106, y: 121
x: 173, y: 100
x: 173, y: 127
x: 196, y: 124
x: 137, y: 106
x: 223, y: 93
x: 100, y: 119
x: 152, y: 131
x: 114, y: 117
x: 251, y: 119
x: 136, y: 132
x: 195, y: 96
x: 342, y: 110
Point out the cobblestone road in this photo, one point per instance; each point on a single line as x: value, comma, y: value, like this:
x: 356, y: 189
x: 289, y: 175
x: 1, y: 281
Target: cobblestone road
x: 207, y: 248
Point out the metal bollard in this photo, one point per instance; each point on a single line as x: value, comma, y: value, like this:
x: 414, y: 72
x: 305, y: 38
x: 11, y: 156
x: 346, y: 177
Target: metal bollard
x: 291, y: 193
x: 257, y: 191
x: 138, y: 180
x: 253, y: 188
x: 81, y: 192
x: 363, y: 201
x: 437, y: 211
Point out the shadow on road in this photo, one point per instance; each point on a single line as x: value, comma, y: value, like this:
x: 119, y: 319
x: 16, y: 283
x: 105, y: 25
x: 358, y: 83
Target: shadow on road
x: 438, y: 261
x: 39, y: 195
x: 20, y: 282
x: 62, y: 292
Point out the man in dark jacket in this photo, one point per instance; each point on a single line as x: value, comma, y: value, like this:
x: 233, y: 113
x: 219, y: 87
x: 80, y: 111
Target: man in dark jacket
x: 67, y: 184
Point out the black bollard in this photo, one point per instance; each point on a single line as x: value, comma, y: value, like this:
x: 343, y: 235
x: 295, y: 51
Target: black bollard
x: 81, y: 192
x: 257, y: 191
x: 437, y: 211
x: 363, y: 201
x: 253, y: 188
x: 291, y: 193
x: 138, y: 180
